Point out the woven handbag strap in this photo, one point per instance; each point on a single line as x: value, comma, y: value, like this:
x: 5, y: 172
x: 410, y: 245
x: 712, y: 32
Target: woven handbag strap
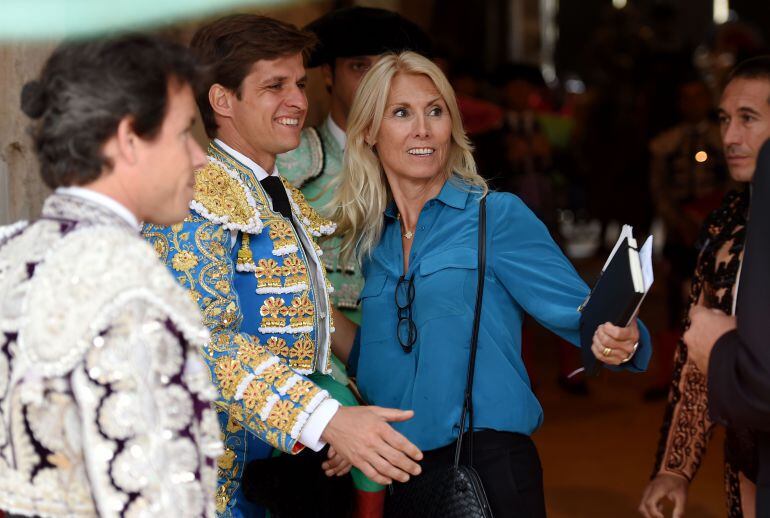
x: 468, y: 401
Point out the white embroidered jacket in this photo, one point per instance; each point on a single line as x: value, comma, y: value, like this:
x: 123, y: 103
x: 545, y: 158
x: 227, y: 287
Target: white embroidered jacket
x: 104, y: 399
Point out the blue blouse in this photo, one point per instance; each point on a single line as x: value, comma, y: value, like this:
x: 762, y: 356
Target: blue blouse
x: 526, y: 272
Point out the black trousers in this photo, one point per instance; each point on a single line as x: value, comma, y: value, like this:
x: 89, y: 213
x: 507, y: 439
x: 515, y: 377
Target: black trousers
x: 509, y: 467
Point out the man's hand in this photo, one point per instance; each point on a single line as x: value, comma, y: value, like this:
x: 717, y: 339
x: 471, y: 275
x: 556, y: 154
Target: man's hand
x: 664, y: 485
x: 614, y: 345
x: 335, y: 465
x: 706, y: 327
x: 362, y: 436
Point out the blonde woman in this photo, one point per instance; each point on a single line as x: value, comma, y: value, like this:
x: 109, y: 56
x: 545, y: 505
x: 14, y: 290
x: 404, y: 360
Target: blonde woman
x: 408, y: 210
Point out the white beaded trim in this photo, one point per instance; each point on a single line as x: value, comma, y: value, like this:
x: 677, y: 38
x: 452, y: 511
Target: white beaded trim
x: 305, y: 415
x: 285, y: 250
x: 280, y: 291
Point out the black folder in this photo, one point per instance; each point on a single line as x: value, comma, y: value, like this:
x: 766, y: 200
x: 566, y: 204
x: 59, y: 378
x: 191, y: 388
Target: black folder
x: 615, y: 298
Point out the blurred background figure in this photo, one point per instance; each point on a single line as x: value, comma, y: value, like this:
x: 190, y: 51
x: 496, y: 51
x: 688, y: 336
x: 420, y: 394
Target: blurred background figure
x: 688, y: 178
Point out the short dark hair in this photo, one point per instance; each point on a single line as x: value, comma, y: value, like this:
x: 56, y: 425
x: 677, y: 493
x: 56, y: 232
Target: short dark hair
x: 230, y: 46
x: 87, y: 87
x: 753, y: 68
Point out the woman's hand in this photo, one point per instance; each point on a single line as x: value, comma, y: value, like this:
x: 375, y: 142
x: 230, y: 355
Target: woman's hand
x: 614, y: 345
x: 664, y: 485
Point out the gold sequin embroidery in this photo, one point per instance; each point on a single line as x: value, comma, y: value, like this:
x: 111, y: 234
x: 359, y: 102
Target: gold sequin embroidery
x: 302, y: 392
x: 184, y: 261
x: 301, y: 311
x: 282, y: 235
x: 294, y: 270
x: 273, y: 312
x: 256, y: 394
x: 268, y: 274
x: 278, y: 346
x: 229, y: 374
x: 283, y: 416
x: 222, y: 195
x: 302, y: 352
x: 226, y: 460
x: 277, y: 374
x: 311, y: 218
x: 251, y: 354
x: 245, y: 257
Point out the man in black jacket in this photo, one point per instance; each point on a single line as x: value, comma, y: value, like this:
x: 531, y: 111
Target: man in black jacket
x: 737, y: 360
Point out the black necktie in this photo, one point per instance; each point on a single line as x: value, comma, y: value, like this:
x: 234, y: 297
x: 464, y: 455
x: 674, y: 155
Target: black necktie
x: 274, y: 188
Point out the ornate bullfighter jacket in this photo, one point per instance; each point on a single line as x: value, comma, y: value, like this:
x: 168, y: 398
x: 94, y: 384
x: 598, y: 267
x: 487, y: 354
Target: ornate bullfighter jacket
x: 687, y: 427
x: 105, y: 403
x: 247, y: 267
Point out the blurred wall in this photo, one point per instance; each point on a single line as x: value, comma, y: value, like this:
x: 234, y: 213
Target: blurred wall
x: 21, y: 190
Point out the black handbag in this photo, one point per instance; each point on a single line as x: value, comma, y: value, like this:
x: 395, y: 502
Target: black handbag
x: 457, y: 491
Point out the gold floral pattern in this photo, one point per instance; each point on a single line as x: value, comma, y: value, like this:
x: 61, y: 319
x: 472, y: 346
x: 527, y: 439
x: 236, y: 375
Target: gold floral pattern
x: 302, y: 352
x: 268, y: 273
x: 251, y: 354
x: 229, y: 374
x: 282, y: 234
x: 234, y: 413
x: 273, y: 312
x: 277, y: 374
x: 302, y: 392
x: 278, y: 346
x: 301, y: 311
x: 256, y: 394
x: 283, y: 415
x: 225, y: 461
x: 184, y: 261
x: 294, y: 270
x: 161, y: 249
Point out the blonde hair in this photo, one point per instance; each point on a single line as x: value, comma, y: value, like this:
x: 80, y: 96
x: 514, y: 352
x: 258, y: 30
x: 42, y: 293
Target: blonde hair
x: 362, y: 191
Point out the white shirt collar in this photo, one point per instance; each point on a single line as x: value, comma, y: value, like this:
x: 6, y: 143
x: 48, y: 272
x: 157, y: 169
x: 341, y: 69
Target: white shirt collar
x: 260, y: 173
x: 337, y: 132
x: 103, y: 201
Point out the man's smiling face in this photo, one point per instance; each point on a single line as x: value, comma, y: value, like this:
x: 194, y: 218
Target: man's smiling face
x: 271, y: 108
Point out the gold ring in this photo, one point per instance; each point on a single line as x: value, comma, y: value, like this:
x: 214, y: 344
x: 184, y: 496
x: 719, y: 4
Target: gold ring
x: 607, y: 351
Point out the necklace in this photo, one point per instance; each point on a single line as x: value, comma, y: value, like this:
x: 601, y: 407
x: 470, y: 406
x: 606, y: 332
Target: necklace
x: 408, y: 234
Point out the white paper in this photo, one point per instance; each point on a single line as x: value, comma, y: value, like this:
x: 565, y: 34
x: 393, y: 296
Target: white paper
x: 645, y: 257
x: 627, y: 232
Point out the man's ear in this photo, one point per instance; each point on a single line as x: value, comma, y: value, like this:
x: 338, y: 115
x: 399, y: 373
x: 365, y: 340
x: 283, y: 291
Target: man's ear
x: 220, y: 99
x: 327, y: 72
x: 126, y: 141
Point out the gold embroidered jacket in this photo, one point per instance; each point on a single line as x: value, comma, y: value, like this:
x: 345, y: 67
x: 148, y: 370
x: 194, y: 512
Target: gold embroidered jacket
x: 253, y: 275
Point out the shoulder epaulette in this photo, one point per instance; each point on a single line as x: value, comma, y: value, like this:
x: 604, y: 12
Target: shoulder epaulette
x: 315, y: 223
x: 221, y: 197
